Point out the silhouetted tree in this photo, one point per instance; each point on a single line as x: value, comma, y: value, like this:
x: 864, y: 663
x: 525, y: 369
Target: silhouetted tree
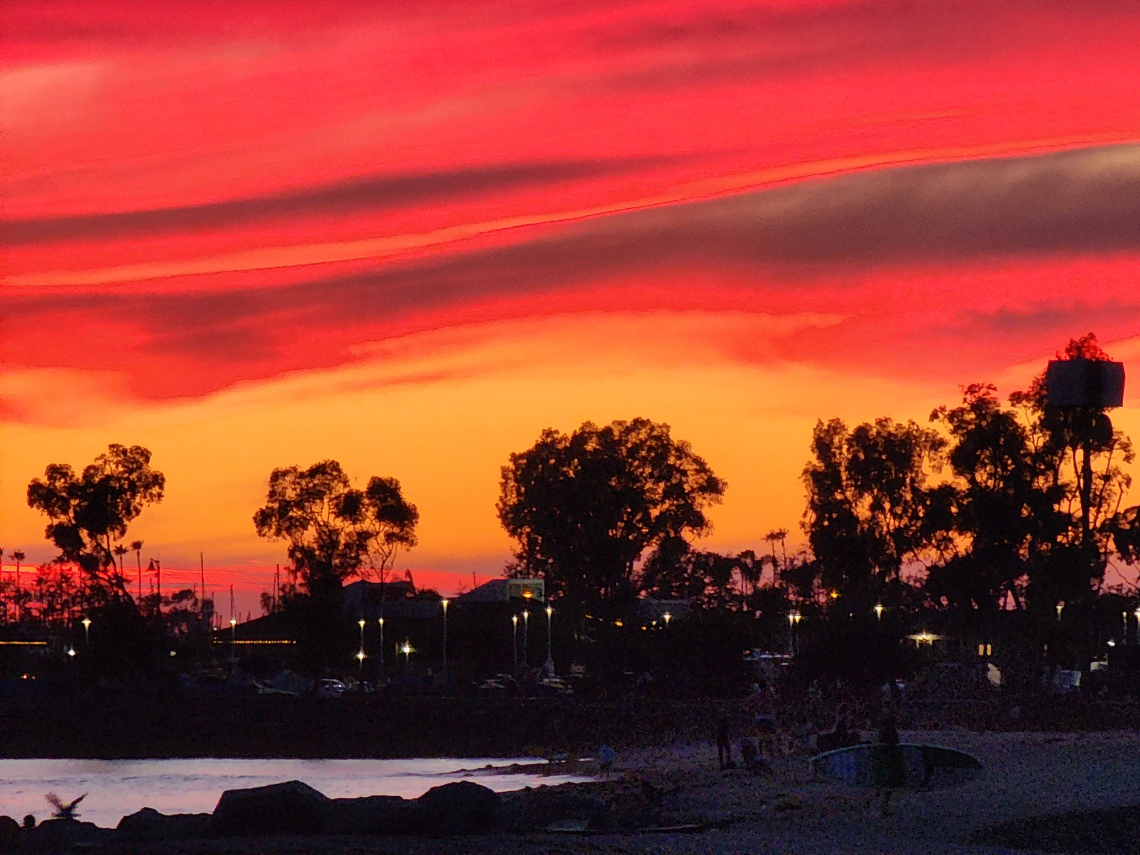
x: 17, y: 556
x: 335, y: 531
x: 778, y: 535
x: 1032, y: 519
x: 583, y: 508
x: 677, y: 571
x: 136, y: 548
x: 1125, y: 531
x: 869, y: 509
x: 1005, y: 508
x: 90, y: 511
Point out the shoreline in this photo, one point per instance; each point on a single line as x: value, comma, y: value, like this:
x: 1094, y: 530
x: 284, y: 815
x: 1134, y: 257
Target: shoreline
x: 1032, y: 780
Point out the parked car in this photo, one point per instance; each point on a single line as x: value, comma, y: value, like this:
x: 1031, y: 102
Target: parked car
x: 329, y: 688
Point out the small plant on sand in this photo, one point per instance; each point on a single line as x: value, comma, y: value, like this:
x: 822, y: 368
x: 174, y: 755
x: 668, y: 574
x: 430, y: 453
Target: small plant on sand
x: 64, y: 811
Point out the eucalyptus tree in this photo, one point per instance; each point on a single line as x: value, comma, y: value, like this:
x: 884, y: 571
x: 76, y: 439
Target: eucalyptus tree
x: 585, y: 508
x: 88, y: 512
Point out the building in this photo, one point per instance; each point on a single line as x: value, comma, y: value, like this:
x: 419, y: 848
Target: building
x: 505, y: 590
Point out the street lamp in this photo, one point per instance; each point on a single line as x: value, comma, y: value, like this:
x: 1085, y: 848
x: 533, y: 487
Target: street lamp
x: 407, y: 651
x: 515, y: 640
x: 549, y: 656
x: 382, y: 649
x: 71, y: 652
x: 879, y: 611
x: 793, y: 619
x: 360, y: 655
x: 444, y: 604
x: 86, y: 630
x: 526, y: 634
x: 1137, y: 613
x: 1060, y: 608
x: 668, y: 617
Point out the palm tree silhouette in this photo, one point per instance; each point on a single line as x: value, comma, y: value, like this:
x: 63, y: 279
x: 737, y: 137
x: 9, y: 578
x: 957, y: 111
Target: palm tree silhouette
x: 776, y: 535
x: 18, y: 556
x: 120, y: 551
x: 137, y: 546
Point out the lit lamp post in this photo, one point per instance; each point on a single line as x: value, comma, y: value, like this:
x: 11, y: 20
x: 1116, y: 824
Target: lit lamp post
x: 793, y: 619
x: 1137, y: 613
x: 515, y: 640
x: 360, y: 655
x: 233, y: 639
x: 444, y: 604
x: 86, y: 630
x: 526, y: 634
x: 879, y: 611
x: 549, y: 656
x: 71, y: 652
x: 381, y: 648
x: 407, y: 651
x: 668, y: 617
x: 1060, y: 608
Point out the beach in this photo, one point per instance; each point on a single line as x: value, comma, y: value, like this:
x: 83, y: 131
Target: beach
x: 1027, y: 775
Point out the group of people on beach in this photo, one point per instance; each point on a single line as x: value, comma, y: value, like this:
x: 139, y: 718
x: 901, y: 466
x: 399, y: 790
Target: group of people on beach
x: 769, y: 741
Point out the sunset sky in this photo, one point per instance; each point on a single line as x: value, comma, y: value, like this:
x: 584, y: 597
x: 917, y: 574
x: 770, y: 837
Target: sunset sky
x: 410, y: 236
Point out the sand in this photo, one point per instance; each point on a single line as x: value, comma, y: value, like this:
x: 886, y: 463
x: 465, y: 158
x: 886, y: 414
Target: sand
x: 1027, y: 775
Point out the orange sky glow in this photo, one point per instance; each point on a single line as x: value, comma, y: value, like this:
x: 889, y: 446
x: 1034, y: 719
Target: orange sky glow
x: 254, y: 234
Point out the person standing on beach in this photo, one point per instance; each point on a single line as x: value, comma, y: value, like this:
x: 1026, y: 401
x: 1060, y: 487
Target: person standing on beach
x: 723, y: 743
x: 889, y: 763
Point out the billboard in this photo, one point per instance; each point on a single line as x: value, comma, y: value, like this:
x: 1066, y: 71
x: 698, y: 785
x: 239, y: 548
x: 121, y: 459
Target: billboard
x: 1084, y: 383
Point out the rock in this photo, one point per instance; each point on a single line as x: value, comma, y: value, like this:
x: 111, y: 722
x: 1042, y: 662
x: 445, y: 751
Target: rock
x: 376, y: 815
x: 532, y: 809
x: 149, y: 824
x: 631, y: 809
x: 290, y: 808
x: 9, y: 833
x: 463, y: 807
x: 55, y: 835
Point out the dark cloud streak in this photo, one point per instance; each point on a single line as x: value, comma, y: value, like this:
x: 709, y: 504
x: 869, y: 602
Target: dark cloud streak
x: 360, y: 194
x: 1077, y: 203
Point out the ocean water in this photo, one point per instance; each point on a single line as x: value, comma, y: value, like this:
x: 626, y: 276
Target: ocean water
x: 118, y: 787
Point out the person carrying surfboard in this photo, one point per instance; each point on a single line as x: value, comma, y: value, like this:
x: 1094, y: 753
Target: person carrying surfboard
x: 889, y: 762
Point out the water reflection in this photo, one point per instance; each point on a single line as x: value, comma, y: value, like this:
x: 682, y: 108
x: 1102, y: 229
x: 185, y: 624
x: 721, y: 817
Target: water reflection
x: 119, y: 787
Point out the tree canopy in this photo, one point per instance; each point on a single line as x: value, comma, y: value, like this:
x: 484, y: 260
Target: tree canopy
x: 334, y: 530
x: 1001, y: 503
x: 584, y: 508
x: 89, y: 512
x: 870, y: 510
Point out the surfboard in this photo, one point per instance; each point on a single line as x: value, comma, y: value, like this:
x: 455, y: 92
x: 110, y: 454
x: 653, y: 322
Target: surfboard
x: 914, y: 767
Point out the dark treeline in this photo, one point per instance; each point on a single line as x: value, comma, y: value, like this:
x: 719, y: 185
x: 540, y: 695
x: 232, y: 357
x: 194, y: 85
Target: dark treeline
x: 995, y: 521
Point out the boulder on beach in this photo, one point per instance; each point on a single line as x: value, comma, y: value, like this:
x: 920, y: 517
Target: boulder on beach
x: 290, y: 808
x: 149, y: 824
x: 462, y: 807
x: 9, y: 833
x: 57, y: 835
x: 531, y: 809
x: 376, y: 815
